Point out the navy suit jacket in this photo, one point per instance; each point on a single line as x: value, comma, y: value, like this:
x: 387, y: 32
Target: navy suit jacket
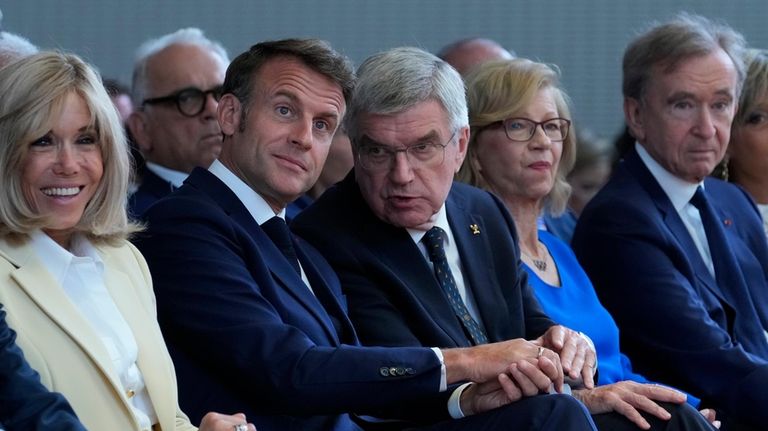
x: 25, y: 404
x: 152, y: 188
x: 247, y: 335
x: 394, y: 297
x: 675, y: 324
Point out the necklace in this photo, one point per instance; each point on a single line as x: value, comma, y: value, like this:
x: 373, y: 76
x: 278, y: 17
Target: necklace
x: 540, y: 264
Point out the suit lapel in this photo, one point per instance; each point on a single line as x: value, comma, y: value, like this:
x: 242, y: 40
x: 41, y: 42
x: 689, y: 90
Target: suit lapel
x: 145, y: 331
x: 674, y: 223
x: 282, y: 271
x: 35, y: 280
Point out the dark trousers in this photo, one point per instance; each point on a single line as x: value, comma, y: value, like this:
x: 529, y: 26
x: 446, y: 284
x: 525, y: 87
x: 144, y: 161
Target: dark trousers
x: 684, y: 418
x: 543, y: 412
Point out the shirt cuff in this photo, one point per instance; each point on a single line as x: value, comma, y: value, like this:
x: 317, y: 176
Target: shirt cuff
x: 443, y: 375
x: 454, y: 402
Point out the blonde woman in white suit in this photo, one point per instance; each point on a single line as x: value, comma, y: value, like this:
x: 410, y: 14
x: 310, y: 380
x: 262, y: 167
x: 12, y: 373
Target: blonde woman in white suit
x: 76, y: 292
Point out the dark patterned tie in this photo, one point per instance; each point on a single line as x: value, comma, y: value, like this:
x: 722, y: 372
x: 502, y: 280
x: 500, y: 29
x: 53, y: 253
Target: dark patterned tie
x: 278, y: 232
x: 747, y: 329
x: 433, y: 240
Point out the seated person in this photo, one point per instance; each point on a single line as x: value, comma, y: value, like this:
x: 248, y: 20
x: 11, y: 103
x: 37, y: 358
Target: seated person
x: 76, y: 292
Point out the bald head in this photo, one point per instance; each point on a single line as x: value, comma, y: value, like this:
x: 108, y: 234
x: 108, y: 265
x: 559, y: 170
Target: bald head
x: 468, y: 53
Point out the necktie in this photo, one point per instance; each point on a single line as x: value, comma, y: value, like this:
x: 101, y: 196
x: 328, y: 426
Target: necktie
x: 748, y: 329
x: 278, y: 232
x: 433, y: 240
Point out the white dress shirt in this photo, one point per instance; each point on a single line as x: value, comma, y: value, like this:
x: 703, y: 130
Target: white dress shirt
x: 81, y: 275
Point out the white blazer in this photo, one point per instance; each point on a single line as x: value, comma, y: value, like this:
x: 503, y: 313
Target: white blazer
x: 60, y: 344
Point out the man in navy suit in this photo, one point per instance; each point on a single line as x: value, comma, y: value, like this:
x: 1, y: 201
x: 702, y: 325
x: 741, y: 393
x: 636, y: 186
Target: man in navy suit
x: 176, y: 87
x: 254, y: 316
x: 685, y: 281
x: 410, y: 136
x: 25, y: 404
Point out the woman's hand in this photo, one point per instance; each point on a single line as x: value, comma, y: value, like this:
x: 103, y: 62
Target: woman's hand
x: 219, y: 422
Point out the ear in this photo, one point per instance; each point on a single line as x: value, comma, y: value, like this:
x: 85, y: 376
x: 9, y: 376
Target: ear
x: 137, y: 124
x: 633, y: 116
x: 229, y: 114
x: 462, y: 146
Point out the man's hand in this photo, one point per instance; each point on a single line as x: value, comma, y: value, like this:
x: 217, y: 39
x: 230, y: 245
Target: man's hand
x: 577, y: 356
x: 711, y: 416
x: 627, y: 398
x: 488, y: 361
x: 219, y: 422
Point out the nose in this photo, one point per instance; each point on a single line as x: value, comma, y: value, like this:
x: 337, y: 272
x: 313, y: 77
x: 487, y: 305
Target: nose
x: 705, y: 126
x: 66, y: 161
x: 401, y: 171
x: 301, y: 133
x: 539, y: 138
x: 210, y: 105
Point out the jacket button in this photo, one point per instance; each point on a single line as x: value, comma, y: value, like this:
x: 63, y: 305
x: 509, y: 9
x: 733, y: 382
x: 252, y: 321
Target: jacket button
x: 410, y: 371
x: 384, y: 371
x: 400, y: 371
x: 130, y: 393
x: 393, y: 371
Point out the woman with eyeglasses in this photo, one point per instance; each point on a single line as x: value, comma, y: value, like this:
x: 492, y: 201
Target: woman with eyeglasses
x: 77, y: 293
x: 522, y: 146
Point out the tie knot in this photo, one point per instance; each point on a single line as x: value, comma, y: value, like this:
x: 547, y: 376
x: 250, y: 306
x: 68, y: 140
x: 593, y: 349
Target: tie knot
x: 433, y: 240
x: 699, y: 199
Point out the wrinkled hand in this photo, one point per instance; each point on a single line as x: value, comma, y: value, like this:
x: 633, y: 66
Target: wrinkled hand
x: 219, y: 422
x: 577, y: 357
x: 711, y: 416
x: 627, y: 398
x: 488, y: 361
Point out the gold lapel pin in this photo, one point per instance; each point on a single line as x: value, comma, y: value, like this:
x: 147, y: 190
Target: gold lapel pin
x: 475, y: 229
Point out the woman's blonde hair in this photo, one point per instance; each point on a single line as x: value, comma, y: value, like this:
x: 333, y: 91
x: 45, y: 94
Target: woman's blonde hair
x: 502, y: 89
x: 34, y: 90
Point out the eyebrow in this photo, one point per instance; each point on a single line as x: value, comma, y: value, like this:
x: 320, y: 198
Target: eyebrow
x: 688, y: 95
x: 295, y: 100
x: 431, y: 136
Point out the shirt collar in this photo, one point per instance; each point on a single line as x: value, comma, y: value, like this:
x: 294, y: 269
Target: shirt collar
x: 440, y: 220
x: 57, y: 259
x: 254, y: 203
x: 174, y: 177
x: 678, y: 191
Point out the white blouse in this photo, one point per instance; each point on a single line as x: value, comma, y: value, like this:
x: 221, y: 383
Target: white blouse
x: 80, y: 272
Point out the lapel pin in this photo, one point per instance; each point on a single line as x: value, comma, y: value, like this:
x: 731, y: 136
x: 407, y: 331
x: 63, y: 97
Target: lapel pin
x: 475, y: 229
x: 727, y: 222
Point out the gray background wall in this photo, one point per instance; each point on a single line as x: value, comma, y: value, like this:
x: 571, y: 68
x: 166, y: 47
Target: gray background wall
x: 584, y: 38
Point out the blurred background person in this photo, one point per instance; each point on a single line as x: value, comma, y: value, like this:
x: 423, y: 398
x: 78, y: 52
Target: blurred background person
x: 76, y: 292
x: 590, y: 172
x: 465, y: 54
x: 121, y: 98
x: 176, y: 87
x: 14, y: 47
x: 746, y: 162
x: 520, y: 147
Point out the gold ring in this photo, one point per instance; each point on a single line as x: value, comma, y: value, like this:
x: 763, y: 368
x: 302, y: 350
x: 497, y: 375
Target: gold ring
x: 540, y: 353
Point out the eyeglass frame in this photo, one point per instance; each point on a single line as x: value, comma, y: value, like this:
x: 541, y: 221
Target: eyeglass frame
x: 392, y: 153
x: 536, y: 124
x: 217, y: 92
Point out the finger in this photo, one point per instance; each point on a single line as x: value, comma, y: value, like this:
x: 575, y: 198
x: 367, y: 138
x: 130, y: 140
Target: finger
x: 579, y: 361
x: 553, y: 371
x: 509, y: 388
x: 557, y: 337
x: 528, y: 378
x: 708, y: 414
x: 659, y: 393
x: 647, y: 405
x: 568, y: 355
x: 630, y: 413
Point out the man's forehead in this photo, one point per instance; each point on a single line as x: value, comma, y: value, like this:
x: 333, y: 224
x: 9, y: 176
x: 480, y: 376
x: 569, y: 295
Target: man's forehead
x: 425, y: 120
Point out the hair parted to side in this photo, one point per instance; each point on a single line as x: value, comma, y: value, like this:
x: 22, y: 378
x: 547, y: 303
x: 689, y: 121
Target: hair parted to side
x: 502, y: 89
x: 666, y: 45
x: 316, y: 54
x: 393, y: 81
x: 184, y: 36
x: 34, y: 90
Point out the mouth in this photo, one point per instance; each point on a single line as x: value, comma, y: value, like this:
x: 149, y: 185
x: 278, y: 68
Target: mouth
x: 540, y: 165
x: 62, y: 191
x: 291, y: 162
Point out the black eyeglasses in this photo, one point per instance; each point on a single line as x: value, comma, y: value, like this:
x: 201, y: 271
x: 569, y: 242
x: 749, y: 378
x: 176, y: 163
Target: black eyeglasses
x: 380, y: 158
x: 189, y: 101
x: 522, y: 129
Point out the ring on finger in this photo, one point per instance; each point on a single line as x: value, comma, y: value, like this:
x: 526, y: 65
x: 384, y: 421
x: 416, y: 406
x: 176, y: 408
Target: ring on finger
x: 540, y: 352
x: 241, y: 427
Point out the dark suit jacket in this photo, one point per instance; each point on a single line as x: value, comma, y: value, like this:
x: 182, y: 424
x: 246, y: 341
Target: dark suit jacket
x: 246, y: 334
x: 25, y: 404
x: 675, y: 324
x: 395, y: 300
x: 152, y: 188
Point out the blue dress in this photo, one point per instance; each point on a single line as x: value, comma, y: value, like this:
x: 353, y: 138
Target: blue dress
x: 575, y: 304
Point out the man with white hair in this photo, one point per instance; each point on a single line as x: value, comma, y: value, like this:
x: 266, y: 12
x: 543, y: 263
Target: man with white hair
x: 176, y: 87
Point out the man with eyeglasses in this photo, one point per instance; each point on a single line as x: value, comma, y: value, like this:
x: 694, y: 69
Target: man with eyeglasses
x: 425, y: 261
x: 176, y: 87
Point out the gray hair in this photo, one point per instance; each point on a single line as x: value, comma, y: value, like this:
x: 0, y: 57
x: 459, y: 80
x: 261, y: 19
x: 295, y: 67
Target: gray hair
x: 666, y: 45
x: 184, y: 36
x: 393, y: 81
x: 14, y: 47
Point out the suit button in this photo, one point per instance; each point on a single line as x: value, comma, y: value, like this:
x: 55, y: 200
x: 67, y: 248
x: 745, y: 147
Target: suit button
x: 410, y: 371
x: 400, y: 371
x: 384, y: 371
x: 130, y: 393
x: 393, y: 371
